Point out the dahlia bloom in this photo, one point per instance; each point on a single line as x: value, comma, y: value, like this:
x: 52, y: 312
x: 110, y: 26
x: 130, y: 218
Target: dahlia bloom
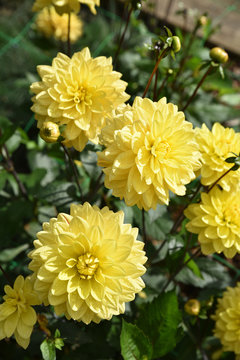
x: 227, y: 325
x: 17, y: 315
x: 66, y: 6
x: 216, y: 220
x: 88, y: 264
x: 150, y: 149
x: 79, y: 92
x: 216, y: 146
x: 50, y: 23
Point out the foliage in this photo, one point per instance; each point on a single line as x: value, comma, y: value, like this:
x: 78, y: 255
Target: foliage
x: 37, y: 183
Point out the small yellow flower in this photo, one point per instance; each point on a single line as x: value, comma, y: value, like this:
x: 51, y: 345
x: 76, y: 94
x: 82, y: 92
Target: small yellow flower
x: 66, y: 6
x: 88, y: 264
x: 49, y: 132
x: 17, y: 315
x: 79, y: 92
x: 50, y: 23
x: 227, y: 320
x: 149, y: 150
x: 216, y: 220
x: 216, y: 146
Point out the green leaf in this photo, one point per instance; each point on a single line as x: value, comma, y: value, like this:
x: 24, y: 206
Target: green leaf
x: 160, y: 320
x: 9, y: 254
x: 135, y: 344
x: 193, y: 266
x: 48, y: 350
x: 231, y: 160
x: 7, y: 129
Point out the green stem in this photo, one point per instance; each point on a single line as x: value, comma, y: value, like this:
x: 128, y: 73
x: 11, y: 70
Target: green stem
x: 5, y: 275
x: 180, y: 217
x: 172, y: 277
x: 153, y: 72
x: 209, y: 70
x: 11, y: 169
x: 74, y: 169
x: 143, y: 227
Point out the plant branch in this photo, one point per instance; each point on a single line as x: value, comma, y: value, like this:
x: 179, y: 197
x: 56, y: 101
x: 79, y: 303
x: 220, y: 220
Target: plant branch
x: 69, y: 35
x: 123, y: 35
x: 215, y: 183
x: 143, y: 227
x: 172, y: 277
x: 74, y: 169
x: 154, y: 70
x: 180, y: 217
x: 209, y: 70
x: 5, y: 275
x: 11, y: 169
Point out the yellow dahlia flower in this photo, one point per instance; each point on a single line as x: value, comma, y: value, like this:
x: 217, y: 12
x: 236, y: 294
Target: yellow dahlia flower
x: 50, y: 23
x: 17, y: 315
x: 227, y: 324
x: 79, y: 92
x: 150, y: 149
x: 88, y: 264
x: 216, y: 146
x: 216, y: 220
x: 66, y: 6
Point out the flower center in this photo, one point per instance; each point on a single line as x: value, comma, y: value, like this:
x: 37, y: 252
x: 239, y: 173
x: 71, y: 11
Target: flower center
x: 232, y: 214
x: 87, y: 265
x: 160, y: 149
x: 81, y: 95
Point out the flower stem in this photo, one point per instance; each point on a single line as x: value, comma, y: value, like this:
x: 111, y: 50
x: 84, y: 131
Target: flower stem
x: 74, y: 169
x: 5, y: 275
x: 143, y: 227
x: 209, y: 70
x: 219, y: 179
x: 69, y: 35
x: 123, y: 36
x: 172, y: 277
x: 156, y: 80
x: 180, y: 217
x: 153, y: 72
x: 11, y: 169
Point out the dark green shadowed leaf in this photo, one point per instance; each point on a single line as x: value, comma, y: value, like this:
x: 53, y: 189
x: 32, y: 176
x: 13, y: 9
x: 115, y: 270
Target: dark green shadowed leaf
x: 134, y: 343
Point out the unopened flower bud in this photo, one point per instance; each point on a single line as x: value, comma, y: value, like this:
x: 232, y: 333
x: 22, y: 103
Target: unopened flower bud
x: 176, y: 44
x: 203, y: 20
x: 219, y: 55
x: 49, y: 132
x: 192, y: 307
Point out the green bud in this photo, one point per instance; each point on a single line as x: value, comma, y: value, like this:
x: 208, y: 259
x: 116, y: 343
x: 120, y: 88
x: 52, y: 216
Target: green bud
x: 176, y: 44
x: 50, y: 132
x: 202, y: 21
x: 219, y: 55
x: 192, y: 307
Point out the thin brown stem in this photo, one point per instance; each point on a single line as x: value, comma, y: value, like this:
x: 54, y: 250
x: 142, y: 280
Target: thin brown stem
x: 156, y: 81
x: 6, y: 275
x: 209, y: 70
x: 74, y: 169
x: 153, y: 72
x: 97, y: 186
x: 143, y: 226
x: 162, y: 85
x: 11, y: 169
x: 69, y: 35
x: 123, y: 35
x: 215, y: 183
x: 180, y: 268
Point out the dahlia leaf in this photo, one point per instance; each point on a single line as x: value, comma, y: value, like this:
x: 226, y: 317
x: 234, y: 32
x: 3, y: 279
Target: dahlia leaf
x: 193, y: 266
x: 160, y: 320
x: 134, y: 343
x: 48, y: 350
